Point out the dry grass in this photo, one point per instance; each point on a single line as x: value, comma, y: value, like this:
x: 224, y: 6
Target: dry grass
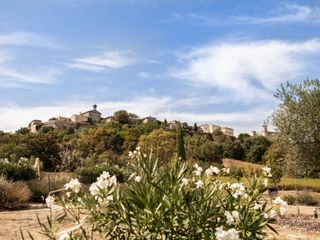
x: 231, y: 163
x: 13, y: 194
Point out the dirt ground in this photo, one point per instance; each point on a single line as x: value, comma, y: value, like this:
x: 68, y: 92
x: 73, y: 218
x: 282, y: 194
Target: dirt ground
x: 11, y: 222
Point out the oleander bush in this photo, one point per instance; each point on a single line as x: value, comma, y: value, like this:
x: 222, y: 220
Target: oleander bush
x: 166, y: 202
x: 16, y: 171
x: 13, y: 194
x: 88, y: 175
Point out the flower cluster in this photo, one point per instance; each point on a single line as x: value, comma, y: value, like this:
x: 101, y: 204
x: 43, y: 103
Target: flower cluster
x: 198, y: 170
x: 231, y: 234
x: 74, y: 185
x: 104, y: 181
x: 232, y: 217
x: 281, y: 205
x: 212, y: 170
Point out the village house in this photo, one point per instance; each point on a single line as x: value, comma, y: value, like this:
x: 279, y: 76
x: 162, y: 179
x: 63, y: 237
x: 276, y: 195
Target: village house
x: 173, y: 124
x: 210, y: 128
x: 62, y: 123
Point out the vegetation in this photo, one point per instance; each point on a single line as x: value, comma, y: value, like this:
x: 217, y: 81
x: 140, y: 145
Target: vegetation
x: 168, y: 202
x: 303, y: 198
x: 13, y: 194
x: 297, y: 120
x: 20, y: 170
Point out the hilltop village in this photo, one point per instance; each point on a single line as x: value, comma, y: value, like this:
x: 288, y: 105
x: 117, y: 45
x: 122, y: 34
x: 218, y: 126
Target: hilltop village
x: 84, y: 119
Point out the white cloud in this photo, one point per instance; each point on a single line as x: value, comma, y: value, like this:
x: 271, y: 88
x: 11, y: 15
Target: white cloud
x: 291, y: 13
x: 28, y: 39
x: 11, y: 77
x: 286, y: 13
x: 103, y: 61
x: 250, y: 70
x: 13, y: 117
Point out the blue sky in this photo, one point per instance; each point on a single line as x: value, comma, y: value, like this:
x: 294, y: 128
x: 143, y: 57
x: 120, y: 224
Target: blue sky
x: 203, y: 61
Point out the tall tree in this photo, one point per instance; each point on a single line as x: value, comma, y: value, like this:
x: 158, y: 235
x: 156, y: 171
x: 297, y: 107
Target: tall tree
x: 180, y: 144
x: 298, y: 123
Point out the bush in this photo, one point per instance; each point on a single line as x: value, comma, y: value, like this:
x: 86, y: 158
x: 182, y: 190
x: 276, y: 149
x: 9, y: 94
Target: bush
x: 13, y: 194
x: 168, y: 202
x: 290, y: 199
x: 89, y: 175
x: 17, y: 171
x: 307, y: 198
x: 41, y: 188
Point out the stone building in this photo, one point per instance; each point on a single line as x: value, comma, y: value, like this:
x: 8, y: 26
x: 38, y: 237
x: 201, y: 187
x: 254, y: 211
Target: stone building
x: 264, y: 131
x: 93, y: 114
x: 227, y: 131
x: 209, y: 128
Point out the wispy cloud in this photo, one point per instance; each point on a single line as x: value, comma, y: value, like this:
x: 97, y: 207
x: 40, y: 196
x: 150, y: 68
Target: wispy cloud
x: 12, y: 77
x: 249, y: 70
x: 290, y: 13
x: 28, y: 39
x: 286, y: 13
x: 106, y: 60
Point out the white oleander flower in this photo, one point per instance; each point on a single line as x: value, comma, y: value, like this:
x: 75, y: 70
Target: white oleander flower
x: 231, y: 234
x: 266, y: 171
x: 198, y: 170
x: 266, y: 182
x: 266, y: 215
x: 199, y: 184
x: 232, y: 218
x: 68, y: 194
x: 238, y: 189
x: 110, y: 198
x: 74, y: 185
x: 226, y: 170
x: 50, y: 201
x: 273, y: 213
x: 279, y: 201
x: 138, y: 179
x: 184, y: 181
x: 212, y: 170
x: 282, y: 210
x: 257, y: 206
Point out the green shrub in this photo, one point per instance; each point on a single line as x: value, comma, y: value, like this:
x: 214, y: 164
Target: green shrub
x: 13, y: 194
x: 307, y: 198
x: 16, y: 172
x: 41, y: 188
x: 89, y: 175
x: 290, y: 199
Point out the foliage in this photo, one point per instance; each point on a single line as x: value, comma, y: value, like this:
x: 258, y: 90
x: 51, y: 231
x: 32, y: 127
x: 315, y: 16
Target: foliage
x: 40, y: 188
x: 275, y: 158
x: 21, y: 170
x: 161, y: 142
x: 297, y: 120
x: 169, y: 202
x: 122, y: 116
x: 303, y: 198
x: 210, y: 152
x: 90, y: 174
x: 259, y: 145
x: 233, y: 150
x: 180, y: 144
x: 13, y: 194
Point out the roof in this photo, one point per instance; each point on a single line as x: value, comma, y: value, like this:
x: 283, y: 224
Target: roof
x: 91, y: 111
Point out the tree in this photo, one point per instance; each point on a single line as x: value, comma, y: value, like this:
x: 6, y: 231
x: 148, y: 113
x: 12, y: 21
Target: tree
x: 233, y: 150
x: 275, y: 159
x: 195, y: 128
x: 180, y: 144
x: 122, y: 116
x: 259, y: 145
x: 161, y: 142
x: 298, y: 123
x: 209, y: 152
